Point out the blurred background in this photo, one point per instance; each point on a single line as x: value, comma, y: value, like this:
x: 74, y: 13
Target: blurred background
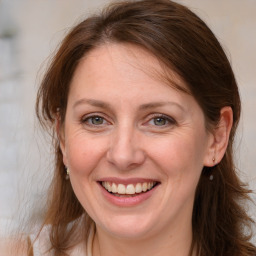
x: 31, y: 30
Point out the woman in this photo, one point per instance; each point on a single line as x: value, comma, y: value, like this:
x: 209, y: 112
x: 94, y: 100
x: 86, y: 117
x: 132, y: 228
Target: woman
x: 143, y: 106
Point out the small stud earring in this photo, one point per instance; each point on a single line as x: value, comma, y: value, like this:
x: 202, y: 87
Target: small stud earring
x: 67, y: 174
x: 211, y: 177
x: 213, y: 159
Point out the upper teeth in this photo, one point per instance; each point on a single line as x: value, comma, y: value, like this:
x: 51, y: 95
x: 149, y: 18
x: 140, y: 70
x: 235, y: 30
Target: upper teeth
x: 129, y: 189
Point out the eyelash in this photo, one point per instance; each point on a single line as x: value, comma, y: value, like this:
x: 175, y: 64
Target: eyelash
x: 88, y: 120
x: 85, y: 120
x: 169, y: 120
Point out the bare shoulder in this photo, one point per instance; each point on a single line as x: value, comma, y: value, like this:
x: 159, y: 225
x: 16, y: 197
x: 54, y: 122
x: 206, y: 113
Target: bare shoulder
x: 14, y: 246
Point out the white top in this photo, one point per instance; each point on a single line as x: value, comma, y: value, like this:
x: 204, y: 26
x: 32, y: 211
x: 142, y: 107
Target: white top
x: 41, y: 244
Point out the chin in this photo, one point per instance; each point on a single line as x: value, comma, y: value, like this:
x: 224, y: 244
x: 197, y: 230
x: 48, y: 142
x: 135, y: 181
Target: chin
x: 127, y: 227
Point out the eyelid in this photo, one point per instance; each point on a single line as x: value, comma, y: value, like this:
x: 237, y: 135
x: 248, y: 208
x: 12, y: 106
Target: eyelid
x: 170, y: 120
x: 96, y: 114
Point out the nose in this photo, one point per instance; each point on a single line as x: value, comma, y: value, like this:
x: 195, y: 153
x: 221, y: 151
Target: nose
x: 125, y: 150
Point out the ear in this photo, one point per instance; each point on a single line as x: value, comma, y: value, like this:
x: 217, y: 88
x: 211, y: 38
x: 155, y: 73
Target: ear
x: 219, y: 138
x: 61, y: 136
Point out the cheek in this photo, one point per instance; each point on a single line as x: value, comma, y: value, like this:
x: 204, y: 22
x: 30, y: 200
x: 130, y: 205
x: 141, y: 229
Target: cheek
x: 84, y: 154
x: 179, y: 155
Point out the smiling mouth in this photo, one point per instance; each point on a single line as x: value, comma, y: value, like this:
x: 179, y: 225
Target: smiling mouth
x: 130, y: 190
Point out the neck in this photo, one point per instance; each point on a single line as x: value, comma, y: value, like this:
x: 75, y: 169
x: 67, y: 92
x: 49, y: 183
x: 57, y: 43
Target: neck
x: 164, y: 244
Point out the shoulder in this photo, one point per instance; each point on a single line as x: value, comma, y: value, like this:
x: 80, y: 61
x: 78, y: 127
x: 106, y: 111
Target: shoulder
x: 14, y: 246
x: 41, y: 243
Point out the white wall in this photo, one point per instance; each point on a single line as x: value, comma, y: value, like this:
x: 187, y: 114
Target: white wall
x: 30, y: 31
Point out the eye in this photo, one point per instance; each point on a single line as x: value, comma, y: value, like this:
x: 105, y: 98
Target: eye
x: 94, y: 120
x: 161, y: 121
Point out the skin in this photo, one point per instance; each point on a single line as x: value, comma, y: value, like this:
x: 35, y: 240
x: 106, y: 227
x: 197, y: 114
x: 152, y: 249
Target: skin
x: 14, y: 246
x: 116, y: 83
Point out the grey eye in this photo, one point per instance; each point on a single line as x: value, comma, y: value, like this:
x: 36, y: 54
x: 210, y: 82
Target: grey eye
x: 159, y: 121
x: 97, y: 120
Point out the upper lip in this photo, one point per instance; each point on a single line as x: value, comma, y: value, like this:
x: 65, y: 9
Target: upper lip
x: 128, y: 180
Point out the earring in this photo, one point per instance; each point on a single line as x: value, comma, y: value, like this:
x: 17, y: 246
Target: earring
x: 67, y: 174
x: 211, y: 176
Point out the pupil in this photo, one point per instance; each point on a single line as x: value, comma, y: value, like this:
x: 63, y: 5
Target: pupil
x: 97, y: 120
x: 159, y: 121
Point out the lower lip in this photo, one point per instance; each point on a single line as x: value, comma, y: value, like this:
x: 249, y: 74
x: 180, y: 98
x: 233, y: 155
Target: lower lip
x: 127, y: 201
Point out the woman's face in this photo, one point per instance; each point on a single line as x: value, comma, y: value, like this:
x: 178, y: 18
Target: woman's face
x: 135, y: 147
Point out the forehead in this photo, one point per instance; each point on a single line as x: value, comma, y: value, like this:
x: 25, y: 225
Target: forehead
x: 125, y: 59
x: 125, y: 78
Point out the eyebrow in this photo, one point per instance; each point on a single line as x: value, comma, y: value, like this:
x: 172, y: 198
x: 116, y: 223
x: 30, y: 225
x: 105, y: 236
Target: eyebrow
x: 105, y: 105
x: 92, y: 102
x: 160, y: 104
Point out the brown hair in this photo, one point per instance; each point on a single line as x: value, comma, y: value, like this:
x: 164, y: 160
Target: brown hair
x: 183, y: 43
